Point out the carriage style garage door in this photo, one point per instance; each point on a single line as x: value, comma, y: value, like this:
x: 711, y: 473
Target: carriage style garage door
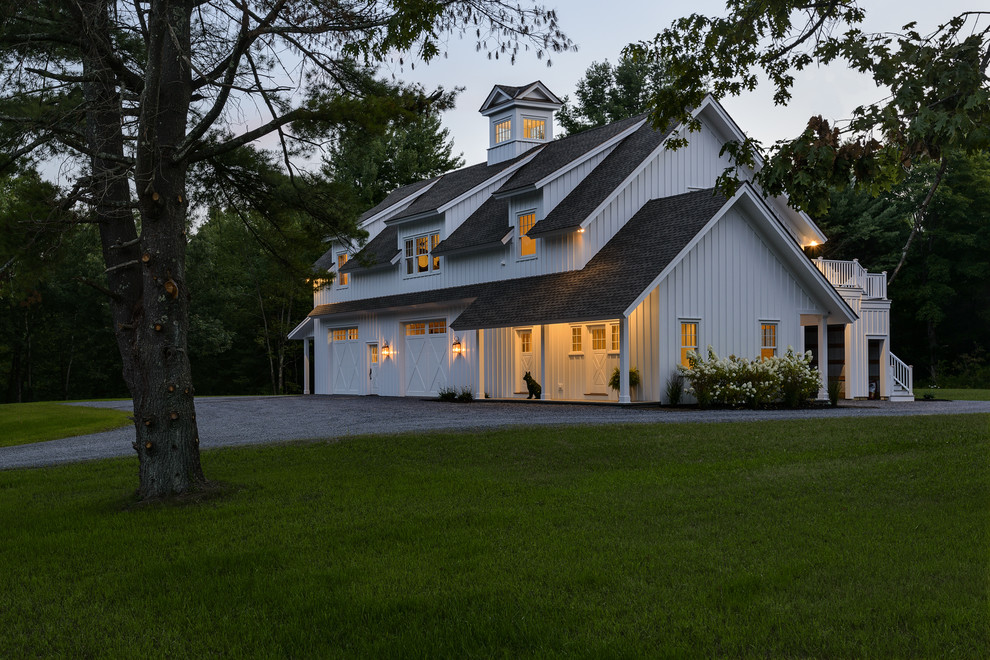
x: 347, y: 364
x: 427, y: 360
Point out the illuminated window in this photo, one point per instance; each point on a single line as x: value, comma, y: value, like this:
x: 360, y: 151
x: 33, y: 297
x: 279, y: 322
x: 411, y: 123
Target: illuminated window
x: 320, y: 283
x: 339, y: 334
x: 689, y: 340
x: 527, y: 246
x: 352, y: 334
x: 615, y: 338
x: 576, y: 340
x: 415, y: 329
x: 598, y: 338
x: 526, y: 341
x: 438, y: 327
x: 503, y: 130
x: 769, y: 346
x: 342, y: 278
x: 535, y: 129
x: 373, y: 353
x: 418, y: 254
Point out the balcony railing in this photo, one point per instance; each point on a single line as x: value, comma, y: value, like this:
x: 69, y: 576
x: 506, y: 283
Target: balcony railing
x: 849, y: 274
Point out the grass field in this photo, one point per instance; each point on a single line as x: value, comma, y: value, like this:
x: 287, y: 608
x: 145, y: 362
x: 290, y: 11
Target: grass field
x: 954, y: 394
x: 846, y: 538
x: 22, y: 423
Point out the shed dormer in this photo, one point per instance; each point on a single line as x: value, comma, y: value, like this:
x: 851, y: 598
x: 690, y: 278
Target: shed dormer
x: 519, y: 118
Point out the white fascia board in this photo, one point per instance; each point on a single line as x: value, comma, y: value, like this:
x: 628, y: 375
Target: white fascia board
x: 401, y: 204
x: 486, y: 106
x: 302, y: 331
x: 591, y: 154
x: 551, y: 97
x: 487, y: 182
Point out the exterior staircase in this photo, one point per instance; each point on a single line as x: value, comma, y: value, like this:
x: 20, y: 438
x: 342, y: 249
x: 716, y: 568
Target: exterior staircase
x: 902, y: 380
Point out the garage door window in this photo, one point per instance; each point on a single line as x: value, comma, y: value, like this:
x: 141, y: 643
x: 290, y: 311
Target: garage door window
x: 342, y: 334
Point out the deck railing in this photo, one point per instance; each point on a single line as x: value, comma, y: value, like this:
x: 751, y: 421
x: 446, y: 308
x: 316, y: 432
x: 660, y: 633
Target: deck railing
x: 851, y: 274
x: 903, y: 374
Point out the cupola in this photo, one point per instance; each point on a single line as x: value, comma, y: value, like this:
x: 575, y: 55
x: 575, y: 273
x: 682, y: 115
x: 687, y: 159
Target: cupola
x: 519, y: 118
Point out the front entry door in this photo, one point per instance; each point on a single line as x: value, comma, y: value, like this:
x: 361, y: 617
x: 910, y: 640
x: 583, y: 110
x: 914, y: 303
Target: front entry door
x: 524, y: 359
x: 372, y: 368
x: 598, y: 378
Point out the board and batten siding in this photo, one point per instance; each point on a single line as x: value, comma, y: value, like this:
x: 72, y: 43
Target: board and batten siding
x: 730, y: 282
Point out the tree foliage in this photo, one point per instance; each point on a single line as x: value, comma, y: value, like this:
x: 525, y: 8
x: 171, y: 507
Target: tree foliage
x: 144, y: 94
x: 609, y: 93
x: 936, y: 97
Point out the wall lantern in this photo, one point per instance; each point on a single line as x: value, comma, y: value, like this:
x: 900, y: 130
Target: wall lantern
x: 386, y: 350
x: 457, y: 348
x: 580, y: 230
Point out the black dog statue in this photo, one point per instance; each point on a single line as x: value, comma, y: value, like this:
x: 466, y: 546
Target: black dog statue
x: 533, y: 387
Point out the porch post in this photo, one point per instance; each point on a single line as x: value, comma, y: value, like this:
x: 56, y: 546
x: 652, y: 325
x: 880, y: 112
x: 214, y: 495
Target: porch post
x: 306, y: 343
x: 480, y: 340
x: 624, y: 359
x: 543, y: 363
x: 823, y: 355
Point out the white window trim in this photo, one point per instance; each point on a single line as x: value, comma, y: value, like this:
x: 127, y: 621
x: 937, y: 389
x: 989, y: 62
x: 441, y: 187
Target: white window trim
x: 523, y: 119
x: 570, y: 341
x: 506, y: 118
x: 776, y: 334
x: 336, y: 265
x: 680, y: 345
x: 608, y: 338
x: 519, y: 333
x: 402, y: 254
x: 519, y: 255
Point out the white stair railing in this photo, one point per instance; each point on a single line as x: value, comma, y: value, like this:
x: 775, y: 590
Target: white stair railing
x: 876, y: 285
x: 903, y: 374
x: 842, y: 273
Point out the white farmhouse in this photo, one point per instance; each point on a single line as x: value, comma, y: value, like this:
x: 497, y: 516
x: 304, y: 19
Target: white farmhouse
x: 568, y: 258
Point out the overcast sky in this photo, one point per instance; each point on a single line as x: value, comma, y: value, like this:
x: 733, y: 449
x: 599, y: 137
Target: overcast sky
x: 600, y: 35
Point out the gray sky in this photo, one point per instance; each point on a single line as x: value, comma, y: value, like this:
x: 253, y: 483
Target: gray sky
x: 831, y: 92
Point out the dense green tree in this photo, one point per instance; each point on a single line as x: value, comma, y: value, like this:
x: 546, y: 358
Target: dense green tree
x: 609, y: 93
x: 405, y: 150
x: 140, y: 93
x: 941, y: 313
x: 936, y: 97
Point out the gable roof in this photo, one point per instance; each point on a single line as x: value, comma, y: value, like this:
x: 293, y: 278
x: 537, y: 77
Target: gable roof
x: 378, y: 253
x: 534, y: 92
x: 602, y: 181
x: 486, y: 227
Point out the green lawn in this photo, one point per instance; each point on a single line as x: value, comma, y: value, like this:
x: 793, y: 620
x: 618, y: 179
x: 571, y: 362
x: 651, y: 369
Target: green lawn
x: 818, y: 538
x: 21, y: 423
x: 954, y: 394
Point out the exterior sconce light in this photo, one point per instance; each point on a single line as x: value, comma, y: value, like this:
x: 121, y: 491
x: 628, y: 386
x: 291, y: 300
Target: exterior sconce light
x: 386, y: 350
x: 580, y: 230
x: 457, y: 348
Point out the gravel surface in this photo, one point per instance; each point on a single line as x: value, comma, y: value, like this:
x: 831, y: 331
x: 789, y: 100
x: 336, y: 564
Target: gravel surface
x: 229, y: 421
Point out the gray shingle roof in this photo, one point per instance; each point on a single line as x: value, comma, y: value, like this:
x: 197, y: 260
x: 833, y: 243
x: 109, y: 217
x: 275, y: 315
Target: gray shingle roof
x: 378, y: 252
x: 560, y: 152
x: 465, y: 292
x: 485, y: 227
x: 602, y: 181
x: 610, y: 282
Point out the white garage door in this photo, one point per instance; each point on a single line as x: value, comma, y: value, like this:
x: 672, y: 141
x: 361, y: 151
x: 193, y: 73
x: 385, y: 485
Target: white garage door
x: 347, y: 365
x: 427, y: 360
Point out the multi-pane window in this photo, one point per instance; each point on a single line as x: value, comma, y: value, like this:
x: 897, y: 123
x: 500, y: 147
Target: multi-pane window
x: 438, y: 327
x: 598, y: 339
x: 342, y: 278
x: 615, y: 338
x: 320, y: 283
x: 415, y: 329
x: 503, y: 130
x: 689, y: 340
x: 527, y: 245
x: 340, y: 334
x: 373, y: 353
x: 768, y: 348
x: 576, y: 339
x: 418, y: 254
x: 526, y: 341
x: 534, y: 129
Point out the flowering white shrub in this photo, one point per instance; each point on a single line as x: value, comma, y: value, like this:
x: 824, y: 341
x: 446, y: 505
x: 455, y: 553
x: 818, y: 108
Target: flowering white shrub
x: 733, y: 381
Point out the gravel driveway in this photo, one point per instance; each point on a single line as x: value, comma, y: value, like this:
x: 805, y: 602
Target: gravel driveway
x: 229, y: 421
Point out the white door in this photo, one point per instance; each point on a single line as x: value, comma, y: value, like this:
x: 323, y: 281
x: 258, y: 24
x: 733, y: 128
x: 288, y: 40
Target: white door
x: 598, y: 378
x: 347, y: 361
x: 427, y: 357
x: 524, y: 359
x: 372, y: 368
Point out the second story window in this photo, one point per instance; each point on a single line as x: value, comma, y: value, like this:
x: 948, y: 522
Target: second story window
x: 535, y: 129
x: 527, y: 245
x: 503, y: 131
x: 418, y: 254
x: 342, y: 278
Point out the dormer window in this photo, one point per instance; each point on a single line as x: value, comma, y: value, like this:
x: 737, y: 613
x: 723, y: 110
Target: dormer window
x: 342, y: 278
x: 527, y: 245
x: 418, y: 254
x: 503, y: 131
x: 534, y: 129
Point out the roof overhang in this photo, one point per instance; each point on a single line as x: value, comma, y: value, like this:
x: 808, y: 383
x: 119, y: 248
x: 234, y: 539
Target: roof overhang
x: 304, y: 330
x: 498, y: 98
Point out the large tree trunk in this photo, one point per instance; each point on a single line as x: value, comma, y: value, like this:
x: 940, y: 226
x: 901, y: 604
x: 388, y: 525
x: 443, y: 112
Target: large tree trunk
x: 147, y: 275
